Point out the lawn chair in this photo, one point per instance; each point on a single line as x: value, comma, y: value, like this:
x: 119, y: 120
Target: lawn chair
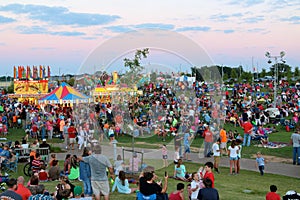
x: 11, y: 166
x: 140, y: 196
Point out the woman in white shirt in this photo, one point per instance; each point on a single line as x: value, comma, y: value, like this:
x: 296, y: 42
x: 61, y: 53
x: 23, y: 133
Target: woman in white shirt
x: 233, y: 156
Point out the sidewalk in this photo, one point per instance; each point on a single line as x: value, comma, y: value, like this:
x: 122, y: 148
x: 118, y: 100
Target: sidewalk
x: 246, y: 164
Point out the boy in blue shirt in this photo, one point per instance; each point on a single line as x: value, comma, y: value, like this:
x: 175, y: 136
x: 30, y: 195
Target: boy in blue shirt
x: 260, y: 163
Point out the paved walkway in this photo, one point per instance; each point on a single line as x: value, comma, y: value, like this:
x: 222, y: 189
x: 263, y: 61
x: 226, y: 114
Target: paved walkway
x: 246, y: 164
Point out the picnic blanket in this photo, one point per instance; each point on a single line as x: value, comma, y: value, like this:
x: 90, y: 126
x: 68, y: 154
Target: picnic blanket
x: 274, y: 145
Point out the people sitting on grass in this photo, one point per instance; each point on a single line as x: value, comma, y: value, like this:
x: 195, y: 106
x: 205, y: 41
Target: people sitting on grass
x: 121, y: 183
x: 180, y: 171
x: 54, y: 171
x: 149, y: 187
x: 74, y: 168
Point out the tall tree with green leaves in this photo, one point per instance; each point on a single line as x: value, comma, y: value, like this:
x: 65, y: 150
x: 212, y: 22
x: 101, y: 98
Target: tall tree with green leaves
x: 233, y: 73
x: 296, y: 71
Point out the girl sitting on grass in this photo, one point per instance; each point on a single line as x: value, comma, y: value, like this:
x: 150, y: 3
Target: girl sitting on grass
x: 121, y: 183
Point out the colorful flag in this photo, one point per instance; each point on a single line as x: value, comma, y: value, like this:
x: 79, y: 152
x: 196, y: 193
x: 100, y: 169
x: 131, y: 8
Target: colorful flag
x: 15, y: 72
x: 48, y: 71
x: 41, y: 72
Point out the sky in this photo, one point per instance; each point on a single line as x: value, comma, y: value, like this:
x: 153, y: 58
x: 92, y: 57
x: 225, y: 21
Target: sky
x: 64, y: 33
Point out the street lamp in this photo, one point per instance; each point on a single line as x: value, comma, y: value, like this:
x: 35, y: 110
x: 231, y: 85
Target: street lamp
x: 268, y: 55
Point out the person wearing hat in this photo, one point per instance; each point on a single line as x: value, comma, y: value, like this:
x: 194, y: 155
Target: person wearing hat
x: 10, y: 192
x: 78, y: 194
x: 45, y: 144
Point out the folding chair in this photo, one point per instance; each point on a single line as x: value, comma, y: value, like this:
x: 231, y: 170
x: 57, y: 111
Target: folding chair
x: 140, y: 196
x: 11, y: 166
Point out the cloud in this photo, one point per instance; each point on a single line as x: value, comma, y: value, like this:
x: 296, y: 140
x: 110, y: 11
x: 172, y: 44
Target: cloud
x: 4, y: 20
x: 2, y: 44
x: 194, y: 28
x: 32, y: 30
x: 228, y: 31
x: 252, y: 20
x: 246, y: 3
x: 67, y: 33
x: 293, y: 19
x: 42, y: 30
x: 42, y: 48
x: 119, y: 29
x: 256, y: 30
x: 154, y: 26
x: 59, y: 15
x: 225, y: 17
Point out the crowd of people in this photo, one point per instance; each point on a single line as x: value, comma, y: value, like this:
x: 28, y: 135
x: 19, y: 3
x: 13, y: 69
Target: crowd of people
x: 163, y: 109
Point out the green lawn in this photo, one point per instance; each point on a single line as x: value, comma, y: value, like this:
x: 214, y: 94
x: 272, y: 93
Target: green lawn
x: 153, y: 142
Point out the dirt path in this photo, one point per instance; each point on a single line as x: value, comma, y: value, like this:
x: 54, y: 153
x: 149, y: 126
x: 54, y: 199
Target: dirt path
x: 276, y: 159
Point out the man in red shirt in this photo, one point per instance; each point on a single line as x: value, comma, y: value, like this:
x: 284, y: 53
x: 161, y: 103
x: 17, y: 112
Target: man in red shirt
x: 273, y: 195
x: 248, y: 127
x: 72, y: 135
x: 22, y: 190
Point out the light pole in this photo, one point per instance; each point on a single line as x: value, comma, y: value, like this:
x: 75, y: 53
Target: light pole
x: 268, y: 55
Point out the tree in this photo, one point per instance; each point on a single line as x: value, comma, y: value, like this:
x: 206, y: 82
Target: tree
x: 71, y: 81
x: 263, y: 73
x: 233, y: 73
x: 134, y: 64
x: 296, y: 71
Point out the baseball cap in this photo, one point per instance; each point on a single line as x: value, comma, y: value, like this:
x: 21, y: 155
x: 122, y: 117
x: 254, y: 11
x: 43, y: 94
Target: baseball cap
x: 77, y: 190
x: 44, y: 140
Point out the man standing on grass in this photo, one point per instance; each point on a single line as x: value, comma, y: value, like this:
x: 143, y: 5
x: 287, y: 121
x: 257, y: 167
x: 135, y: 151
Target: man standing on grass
x: 248, y: 127
x: 98, y: 164
x: 295, y: 141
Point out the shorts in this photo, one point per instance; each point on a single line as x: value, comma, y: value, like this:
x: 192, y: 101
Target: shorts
x: 100, y: 187
x: 112, y: 135
x: 216, y: 160
x: 233, y: 158
x: 187, y: 149
x: 165, y: 157
x: 223, y: 145
x: 72, y: 140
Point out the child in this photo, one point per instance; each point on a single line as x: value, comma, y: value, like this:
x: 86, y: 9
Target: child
x: 43, y: 175
x: 164, y: 152
x: 216, y: 152
x: 5, y: 130
x: 178, y: 194
x: 111, y: 133
x: 195, y: 185
x: 233, y: 156
x: 238, y: 165
x: 121, y: 183
x: 189, y: 191
x: 260, y: 163
x: 208, y: 173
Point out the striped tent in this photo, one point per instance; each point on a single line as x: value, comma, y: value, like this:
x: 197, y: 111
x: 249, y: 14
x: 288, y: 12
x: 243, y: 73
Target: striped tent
x: 64, y: 94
